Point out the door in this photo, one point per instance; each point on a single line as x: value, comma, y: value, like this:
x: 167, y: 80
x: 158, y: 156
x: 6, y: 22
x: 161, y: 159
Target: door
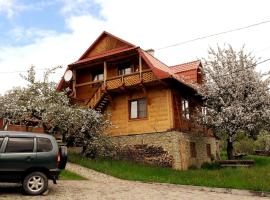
x: 46, y: 154
x: 18, y: 155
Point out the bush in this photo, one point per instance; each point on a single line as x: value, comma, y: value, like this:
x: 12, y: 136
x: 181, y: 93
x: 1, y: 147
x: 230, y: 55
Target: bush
x: 263, y: 142
x: 211, y: 166
x: 101, y: 147
x: 245, y: 145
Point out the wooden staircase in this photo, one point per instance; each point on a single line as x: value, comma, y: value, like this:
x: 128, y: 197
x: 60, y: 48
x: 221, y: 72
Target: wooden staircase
x: 99, y: 100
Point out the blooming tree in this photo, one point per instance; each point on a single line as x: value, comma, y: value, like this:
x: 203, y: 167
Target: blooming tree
x: 40, y: 104
x: 236, y: 96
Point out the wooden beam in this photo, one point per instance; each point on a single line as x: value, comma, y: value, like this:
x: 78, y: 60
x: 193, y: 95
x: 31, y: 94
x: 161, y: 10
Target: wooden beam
x: 105, y: 72
x: 140, y: 66
x: 146, y: 94
x: 143, y: 88
x: 74, y: 83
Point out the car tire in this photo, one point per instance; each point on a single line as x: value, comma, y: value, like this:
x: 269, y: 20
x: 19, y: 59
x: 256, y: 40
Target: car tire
x: 35, y: 183
x: 63, y: 157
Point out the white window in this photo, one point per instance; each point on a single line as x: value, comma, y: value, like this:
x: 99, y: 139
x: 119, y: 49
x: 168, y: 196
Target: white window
x: 185, y: 109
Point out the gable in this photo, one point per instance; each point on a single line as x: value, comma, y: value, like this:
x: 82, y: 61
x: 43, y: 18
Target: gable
x: 106, y: 42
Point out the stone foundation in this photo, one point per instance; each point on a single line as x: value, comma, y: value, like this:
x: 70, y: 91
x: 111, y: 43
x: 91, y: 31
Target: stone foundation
x: 176, y: 144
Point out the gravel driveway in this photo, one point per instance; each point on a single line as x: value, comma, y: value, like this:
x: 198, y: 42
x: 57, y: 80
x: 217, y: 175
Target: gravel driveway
x: 101, y: 186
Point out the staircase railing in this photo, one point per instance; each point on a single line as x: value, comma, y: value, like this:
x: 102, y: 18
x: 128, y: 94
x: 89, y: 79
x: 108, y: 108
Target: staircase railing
x: 96, y: 97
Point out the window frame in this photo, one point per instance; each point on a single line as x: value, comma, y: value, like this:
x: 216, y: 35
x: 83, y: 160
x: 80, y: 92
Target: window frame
x: 185, y: 108
x: 204, y: 113
x: 138, y: 109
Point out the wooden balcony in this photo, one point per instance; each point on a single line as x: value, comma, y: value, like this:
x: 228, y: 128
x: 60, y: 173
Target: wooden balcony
x: 99, y: 99
x: 130, y: 79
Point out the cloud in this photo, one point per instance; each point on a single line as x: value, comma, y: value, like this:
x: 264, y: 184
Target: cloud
x: 81, y: 7
x: 29, y: 34
x: 10, y: 8
x: 149, y: 24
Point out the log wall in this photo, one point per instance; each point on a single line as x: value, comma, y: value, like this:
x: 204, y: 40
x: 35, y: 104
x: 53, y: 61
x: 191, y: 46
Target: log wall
x: 159, y: 112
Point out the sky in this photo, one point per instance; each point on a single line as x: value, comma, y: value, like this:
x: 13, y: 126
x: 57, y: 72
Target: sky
x: 49, y: 33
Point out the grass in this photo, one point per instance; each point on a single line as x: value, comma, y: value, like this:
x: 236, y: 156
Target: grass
x: 68, y: 175
x: 256, y: 178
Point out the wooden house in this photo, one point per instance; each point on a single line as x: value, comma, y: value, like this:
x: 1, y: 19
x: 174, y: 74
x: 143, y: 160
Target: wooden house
x: 148, y: 102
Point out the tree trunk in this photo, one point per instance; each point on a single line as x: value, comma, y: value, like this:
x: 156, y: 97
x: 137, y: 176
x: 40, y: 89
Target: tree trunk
x: 229, y: 149
x: 83, y: 149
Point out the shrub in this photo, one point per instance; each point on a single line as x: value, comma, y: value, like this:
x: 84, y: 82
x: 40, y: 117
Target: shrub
x: 100, y: 147
x: 211, y: 166
x: 245, y: 145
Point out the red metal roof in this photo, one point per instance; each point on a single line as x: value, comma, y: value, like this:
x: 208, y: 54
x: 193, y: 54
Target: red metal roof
x: 186, y: 66
x: 162, y: 71
x: 159, y: 68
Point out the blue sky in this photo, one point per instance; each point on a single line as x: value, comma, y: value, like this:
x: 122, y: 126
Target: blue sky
x: 32, y: 19
x: 48, y: 33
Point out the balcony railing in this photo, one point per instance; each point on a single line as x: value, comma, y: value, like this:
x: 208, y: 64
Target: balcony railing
x: 130, y: 79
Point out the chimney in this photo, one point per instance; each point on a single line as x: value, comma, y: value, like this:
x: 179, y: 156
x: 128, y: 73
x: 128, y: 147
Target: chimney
x: 150, y: 51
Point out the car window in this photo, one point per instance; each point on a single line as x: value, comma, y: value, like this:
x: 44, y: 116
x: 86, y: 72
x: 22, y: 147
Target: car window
x: 20, y: 145
x: 44, y: 145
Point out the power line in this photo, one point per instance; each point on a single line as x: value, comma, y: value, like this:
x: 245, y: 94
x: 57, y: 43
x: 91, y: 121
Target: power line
x: 212, y: 35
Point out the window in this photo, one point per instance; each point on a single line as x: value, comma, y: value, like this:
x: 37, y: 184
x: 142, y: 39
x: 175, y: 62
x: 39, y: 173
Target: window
x: 137, y: 109
x: 20, y: 145
x: 1, y: 140
x: 208, y: 150
x: 98, y: 76
x: 125, y: 68
x: 193, y: 152
x: 185, y: 109
x: 44, y: 145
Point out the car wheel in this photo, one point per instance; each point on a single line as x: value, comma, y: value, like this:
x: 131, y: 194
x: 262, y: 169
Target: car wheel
x: 63, y: 157
x: 35, y: 183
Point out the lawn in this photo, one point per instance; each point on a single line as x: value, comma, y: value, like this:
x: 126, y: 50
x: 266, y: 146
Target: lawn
x: 68, y: 175
x: 255, y: 178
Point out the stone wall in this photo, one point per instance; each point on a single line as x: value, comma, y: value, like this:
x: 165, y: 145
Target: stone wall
x: 177, y: 144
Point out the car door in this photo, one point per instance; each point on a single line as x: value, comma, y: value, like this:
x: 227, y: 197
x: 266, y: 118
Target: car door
x: 18, y: 155
x: 46, y: 155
